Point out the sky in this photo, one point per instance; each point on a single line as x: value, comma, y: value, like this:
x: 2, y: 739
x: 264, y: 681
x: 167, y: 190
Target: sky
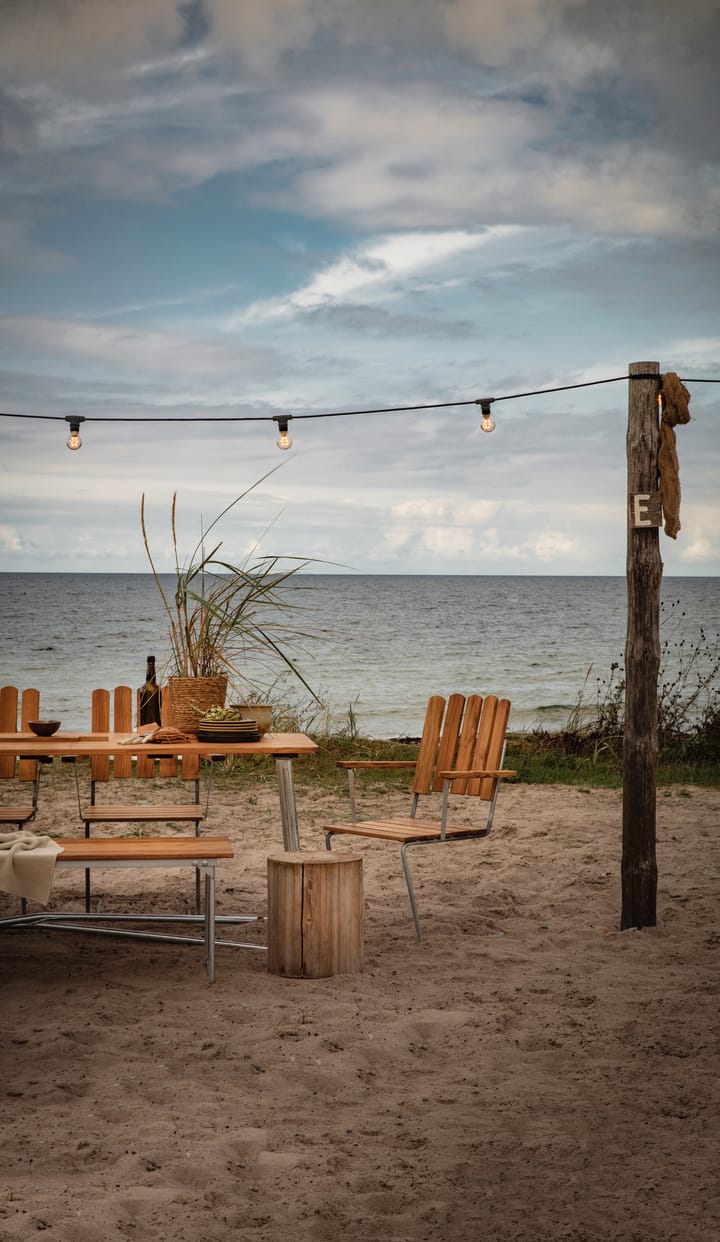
x: 222, y: 210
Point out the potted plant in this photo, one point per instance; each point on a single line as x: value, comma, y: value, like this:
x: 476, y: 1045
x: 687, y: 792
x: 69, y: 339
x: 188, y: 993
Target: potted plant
x: 218, y: 614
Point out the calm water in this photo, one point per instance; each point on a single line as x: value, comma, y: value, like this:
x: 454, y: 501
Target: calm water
x: 381, y: 643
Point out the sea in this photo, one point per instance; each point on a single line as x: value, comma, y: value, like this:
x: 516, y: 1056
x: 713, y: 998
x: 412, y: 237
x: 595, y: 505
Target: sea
x: 375, y: 646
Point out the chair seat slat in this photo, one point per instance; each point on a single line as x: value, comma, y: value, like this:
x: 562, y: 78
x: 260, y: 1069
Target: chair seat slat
x: 405, y: 830
x: 116, y: 813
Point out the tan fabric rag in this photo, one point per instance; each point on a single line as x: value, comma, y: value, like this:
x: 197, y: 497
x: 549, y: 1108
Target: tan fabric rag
x: 27, y: 865
x: 675, y: 398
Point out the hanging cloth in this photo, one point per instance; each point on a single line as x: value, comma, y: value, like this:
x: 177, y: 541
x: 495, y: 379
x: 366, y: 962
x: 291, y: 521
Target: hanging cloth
x: 675, y: 399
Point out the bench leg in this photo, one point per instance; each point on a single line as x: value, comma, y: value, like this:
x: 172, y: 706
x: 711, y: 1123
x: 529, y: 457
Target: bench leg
x: 197, y: 875
x: 87, y: 874
x: 210, y: 921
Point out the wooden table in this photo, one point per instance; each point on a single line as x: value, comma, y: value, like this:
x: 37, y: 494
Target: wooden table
x: 283, y: 747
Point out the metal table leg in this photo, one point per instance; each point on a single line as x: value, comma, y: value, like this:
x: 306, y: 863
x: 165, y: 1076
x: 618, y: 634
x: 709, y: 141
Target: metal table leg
x: 288, y: 809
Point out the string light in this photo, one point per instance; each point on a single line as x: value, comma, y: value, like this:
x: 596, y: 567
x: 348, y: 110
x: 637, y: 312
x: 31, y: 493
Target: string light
x: 487, y: 423
x: 73, y: 440
x: 284, y: 440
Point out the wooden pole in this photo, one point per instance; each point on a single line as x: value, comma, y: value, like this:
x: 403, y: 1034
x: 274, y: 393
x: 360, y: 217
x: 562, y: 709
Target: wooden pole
x: 642, y: 651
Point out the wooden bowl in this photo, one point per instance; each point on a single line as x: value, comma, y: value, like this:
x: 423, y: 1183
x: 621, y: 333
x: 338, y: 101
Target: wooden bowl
x: 43, y: 728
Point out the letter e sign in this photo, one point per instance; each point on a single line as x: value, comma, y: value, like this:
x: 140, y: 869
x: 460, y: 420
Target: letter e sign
x: 645, y: 509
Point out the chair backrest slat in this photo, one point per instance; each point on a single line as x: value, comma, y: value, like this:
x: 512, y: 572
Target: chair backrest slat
x: 462, y: 734
x: 122, y: 723
x: 450, y: 737
x: 190, y: 764
x: 428, y: 749
x: 29, y: 710
x: 496, y: 747
x: 100, y: 723
x: 482, y: 742
x: 29, y: 703
x: 466, y: 746
x: 146, y: 765
x: 8, y: 724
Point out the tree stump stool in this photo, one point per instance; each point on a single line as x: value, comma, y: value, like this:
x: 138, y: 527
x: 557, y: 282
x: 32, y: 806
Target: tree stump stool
x: 315, y: 914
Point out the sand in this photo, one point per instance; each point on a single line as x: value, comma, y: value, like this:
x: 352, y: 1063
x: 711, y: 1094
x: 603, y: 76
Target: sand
x: 528, y: 1072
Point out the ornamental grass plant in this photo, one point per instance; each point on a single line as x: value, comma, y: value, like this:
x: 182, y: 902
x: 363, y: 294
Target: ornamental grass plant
x: 221, y: 614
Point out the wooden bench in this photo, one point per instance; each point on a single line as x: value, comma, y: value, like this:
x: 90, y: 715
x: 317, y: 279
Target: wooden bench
x: 199, y: 852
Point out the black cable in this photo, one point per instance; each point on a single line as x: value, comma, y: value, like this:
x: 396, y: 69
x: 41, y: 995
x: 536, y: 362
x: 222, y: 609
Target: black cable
x: 390, y: 409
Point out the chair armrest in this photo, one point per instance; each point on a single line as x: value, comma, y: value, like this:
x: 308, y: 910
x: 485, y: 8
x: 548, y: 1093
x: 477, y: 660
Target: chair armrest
x: 376, y: 763
x: 473, y: 773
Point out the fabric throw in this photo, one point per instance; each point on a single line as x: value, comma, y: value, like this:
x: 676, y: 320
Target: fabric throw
x: 27, y: 865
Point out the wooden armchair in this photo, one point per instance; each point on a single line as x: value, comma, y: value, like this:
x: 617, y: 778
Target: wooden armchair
x: 20, y: 811
x: 461, y: 753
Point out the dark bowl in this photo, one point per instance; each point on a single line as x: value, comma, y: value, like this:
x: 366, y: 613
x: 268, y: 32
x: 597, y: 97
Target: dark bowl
x: 43, y: 728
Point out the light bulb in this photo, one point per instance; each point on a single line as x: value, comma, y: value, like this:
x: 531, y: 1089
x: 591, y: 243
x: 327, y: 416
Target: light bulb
x: 487, y: 423
x: 73, y: 441
x: 284, y: 440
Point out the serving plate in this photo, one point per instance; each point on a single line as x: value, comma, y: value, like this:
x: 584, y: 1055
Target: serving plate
x: 227, y: 733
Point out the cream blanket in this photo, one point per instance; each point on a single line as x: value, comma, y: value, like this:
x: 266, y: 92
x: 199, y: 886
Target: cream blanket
x: 27, y: 864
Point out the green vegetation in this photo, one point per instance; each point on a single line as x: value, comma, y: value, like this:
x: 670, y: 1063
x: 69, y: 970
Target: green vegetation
x: 589, y: 746
x: 535, y: 763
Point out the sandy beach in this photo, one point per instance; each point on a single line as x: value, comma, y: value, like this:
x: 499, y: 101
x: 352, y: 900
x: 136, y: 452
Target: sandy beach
x: 527, y: 1073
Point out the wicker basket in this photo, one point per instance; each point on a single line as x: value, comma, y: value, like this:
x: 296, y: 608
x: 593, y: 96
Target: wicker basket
x: 190, y: 698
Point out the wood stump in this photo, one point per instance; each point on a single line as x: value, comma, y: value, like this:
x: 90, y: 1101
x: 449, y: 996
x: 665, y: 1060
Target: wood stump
x: 315, y: 914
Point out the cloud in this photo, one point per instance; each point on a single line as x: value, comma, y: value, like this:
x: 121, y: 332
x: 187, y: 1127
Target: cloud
x: 550, y: 144
x: 57, y: 37
x: 698, y: 543
x: 424, y: 156
x: 552, y: 545
x: 442, y: 528
x: 10, y: 540
x: 148, y: 351
x: 498, y: 32
x: 261, y: 30
x: 376, y: 265
x: 52, y: 37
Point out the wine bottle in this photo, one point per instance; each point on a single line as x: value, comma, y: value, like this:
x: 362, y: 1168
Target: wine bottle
x: 150, y: 702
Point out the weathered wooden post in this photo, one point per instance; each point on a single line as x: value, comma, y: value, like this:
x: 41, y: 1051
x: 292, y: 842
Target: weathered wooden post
x: 642, y: 650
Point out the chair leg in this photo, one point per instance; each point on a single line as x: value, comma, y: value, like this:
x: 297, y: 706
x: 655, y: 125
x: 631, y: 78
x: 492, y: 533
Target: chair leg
x: 411, y: 890
x: 197, y: 875
x: 408, y: 881
x: 210, y: 922
x: 87, y: 877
